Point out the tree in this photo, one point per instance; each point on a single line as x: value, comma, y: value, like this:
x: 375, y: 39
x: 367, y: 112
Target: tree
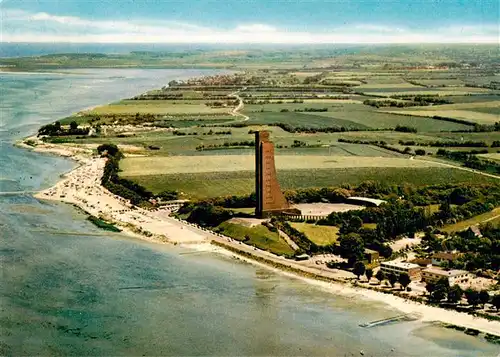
x: 73, y: 125
x: 440, y: 290
x: 472, y: 297
x: 430, y: 287
x: 351, y: 247
x: 430, y: 241
x: 496, y: 301
x: 444, y: 284
x: 484, y: 297
x: 380, y: 275
x: 355, y: 223
x: 369, y: 273
x: 209, y: 215
x: 445, y: 211
x: 404, y: 280
x: 392, y: 279
x: 108, y: 149
x: 454, y: 294
x: 168, y: 195
x: 359, y: 269
x: 438, y: 294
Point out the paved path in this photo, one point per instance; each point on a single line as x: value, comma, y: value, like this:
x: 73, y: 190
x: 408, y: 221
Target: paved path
x: 288, y: 240
x: 236, y: 111
x: 461, y: 168
x: 491, y: 219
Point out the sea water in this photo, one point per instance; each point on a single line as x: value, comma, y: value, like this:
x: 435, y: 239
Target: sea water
x: 68, y: 288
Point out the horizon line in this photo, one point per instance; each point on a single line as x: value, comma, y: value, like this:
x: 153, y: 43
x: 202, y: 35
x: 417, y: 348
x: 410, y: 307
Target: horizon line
x: 251, y: 43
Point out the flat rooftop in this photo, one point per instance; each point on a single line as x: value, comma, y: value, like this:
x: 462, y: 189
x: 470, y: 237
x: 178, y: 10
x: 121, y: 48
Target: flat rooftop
x: 324, y: 209
x: 445, y: 273
x: 373, y: 201
x: 404, y: 265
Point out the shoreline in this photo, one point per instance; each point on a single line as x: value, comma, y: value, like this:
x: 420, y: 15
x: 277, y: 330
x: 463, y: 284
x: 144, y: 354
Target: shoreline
x: 81, y: 187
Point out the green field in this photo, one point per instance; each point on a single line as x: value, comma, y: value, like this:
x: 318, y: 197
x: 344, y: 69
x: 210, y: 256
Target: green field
x: 476, y: 98
x: 301, y: 120
x: 214, y: 184
x: 471, y: 116
x: 440, y: 82
x: 323, y: 143
x: 487, y: 137
x: 488, y: 110
x: 387, y: 120
x: 139, y: 166
x: 321, y: 235
x: 479, y: 112
x: 157, y: 107
x: 445, y: 91
x: 493, y: 156
x: 258, y: 236
x: 349, y: 115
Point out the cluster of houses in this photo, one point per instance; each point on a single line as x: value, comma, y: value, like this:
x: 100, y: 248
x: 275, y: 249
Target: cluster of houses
x: 217, y: 80
x: 429, y: 270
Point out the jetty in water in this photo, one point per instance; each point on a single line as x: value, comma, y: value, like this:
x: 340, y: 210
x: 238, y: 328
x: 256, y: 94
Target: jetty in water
x: 15, y: 193
x: 390, y: 320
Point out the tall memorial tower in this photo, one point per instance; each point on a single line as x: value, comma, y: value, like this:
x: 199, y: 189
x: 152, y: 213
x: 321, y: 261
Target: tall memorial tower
x: 270, y: 199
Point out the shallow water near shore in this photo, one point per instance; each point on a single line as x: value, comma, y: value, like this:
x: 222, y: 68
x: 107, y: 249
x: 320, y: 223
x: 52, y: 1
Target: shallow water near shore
x: 68, y: 288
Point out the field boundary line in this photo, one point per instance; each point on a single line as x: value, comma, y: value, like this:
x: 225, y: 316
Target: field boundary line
x: 462, y: 168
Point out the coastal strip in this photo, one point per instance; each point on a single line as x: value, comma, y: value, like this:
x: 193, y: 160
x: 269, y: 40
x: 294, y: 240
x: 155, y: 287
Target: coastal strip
x: 81, y: 187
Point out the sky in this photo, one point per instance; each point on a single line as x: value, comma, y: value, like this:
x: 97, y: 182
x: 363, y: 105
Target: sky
x: 250, y: 21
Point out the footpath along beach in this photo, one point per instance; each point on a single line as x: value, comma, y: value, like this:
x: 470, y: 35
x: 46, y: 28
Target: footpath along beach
x: 81, y: 187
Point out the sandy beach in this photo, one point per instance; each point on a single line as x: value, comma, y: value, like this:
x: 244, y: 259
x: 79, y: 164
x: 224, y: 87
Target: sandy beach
x: 82, y: 188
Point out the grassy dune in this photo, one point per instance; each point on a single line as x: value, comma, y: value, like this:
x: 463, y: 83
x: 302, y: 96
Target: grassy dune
x: 258, y: 236
x: 321, y: 235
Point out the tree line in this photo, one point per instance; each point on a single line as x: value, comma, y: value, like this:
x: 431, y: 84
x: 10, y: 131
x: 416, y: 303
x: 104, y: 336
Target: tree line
x: 307, y: 110
x: 227, y: 144
x: 415, y: 102
x: 56, y: 129
x: 470, y: 160
x: 467, y: 143
x: 137, y: 194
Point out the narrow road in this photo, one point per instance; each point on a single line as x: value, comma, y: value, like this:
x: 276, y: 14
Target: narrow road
x: 236, y: 111
x: 491, y: 218
x: 461, y: 168
x: 288, y: 240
